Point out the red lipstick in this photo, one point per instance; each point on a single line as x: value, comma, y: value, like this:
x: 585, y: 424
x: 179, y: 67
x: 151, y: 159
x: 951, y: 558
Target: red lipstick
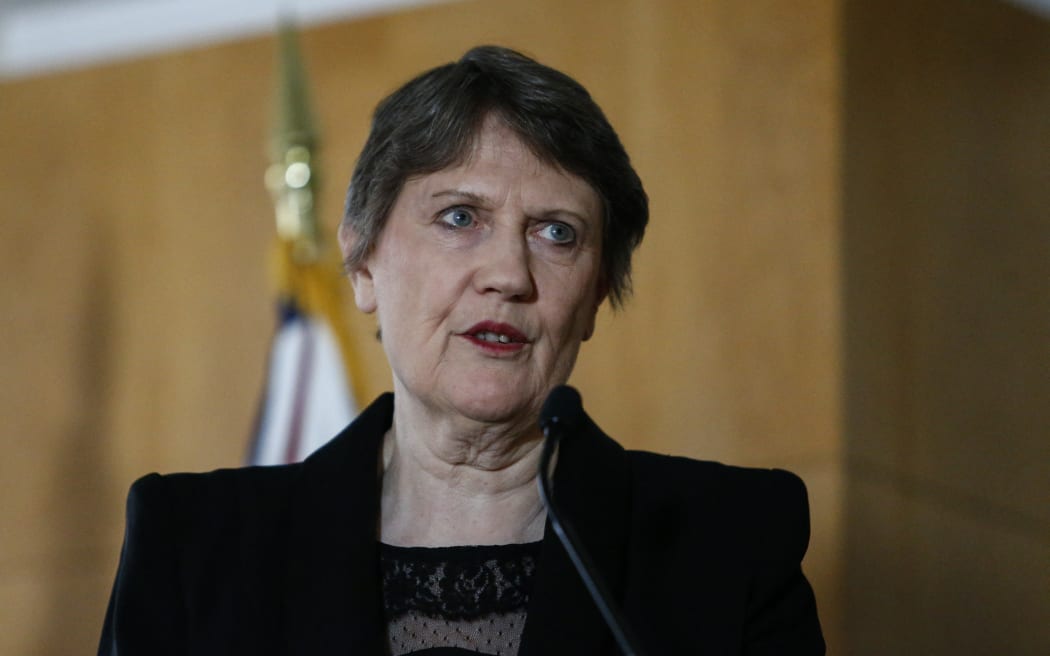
x: 495, y: 337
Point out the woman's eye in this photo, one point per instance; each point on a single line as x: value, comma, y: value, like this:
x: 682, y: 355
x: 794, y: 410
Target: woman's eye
x: 559, y: 233
x: 457, y: 218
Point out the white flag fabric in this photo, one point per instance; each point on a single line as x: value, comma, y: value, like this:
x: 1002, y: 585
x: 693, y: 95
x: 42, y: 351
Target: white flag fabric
x: 308, y: 397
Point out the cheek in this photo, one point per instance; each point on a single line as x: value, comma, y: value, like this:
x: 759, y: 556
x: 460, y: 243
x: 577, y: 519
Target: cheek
x: 573, y: 310
x: 416, y: 296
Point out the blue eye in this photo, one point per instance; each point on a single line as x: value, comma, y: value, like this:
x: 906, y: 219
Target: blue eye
x: 457, y: 218
x: 559, y: 233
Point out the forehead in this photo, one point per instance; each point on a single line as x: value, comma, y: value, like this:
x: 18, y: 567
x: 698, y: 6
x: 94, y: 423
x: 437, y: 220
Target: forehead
x: 500, y: 166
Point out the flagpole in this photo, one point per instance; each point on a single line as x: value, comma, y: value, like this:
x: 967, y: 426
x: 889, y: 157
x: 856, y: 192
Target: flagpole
x: 291, y: 177
x: 308, y: 267
x: 312, y: 382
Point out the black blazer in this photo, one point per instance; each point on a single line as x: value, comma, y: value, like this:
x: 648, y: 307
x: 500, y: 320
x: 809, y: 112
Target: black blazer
x: 704, y: 558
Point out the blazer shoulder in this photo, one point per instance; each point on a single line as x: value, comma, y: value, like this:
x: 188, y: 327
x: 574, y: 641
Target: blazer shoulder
x: 213, y: 502
x: 765, y: 507
x: 227, y: 483
x: 705, y: 476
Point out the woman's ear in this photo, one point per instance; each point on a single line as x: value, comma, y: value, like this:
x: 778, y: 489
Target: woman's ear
x: 360, y: 275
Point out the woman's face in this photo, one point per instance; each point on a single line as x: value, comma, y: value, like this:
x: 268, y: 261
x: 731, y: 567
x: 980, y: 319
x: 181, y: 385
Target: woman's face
x: 485, y: 280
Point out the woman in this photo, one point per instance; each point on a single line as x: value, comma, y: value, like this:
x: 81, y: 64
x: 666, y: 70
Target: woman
x: 492, y: 211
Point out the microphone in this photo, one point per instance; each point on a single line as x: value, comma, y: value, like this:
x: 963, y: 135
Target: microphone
x: 562, y: 413
x: 563, y: 408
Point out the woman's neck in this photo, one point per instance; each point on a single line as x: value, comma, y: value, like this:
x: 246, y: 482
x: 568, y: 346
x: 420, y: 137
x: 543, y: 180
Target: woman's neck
x: 455, y: 482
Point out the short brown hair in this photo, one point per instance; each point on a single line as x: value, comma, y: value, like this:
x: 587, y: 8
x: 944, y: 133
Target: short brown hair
x: 432, y: 122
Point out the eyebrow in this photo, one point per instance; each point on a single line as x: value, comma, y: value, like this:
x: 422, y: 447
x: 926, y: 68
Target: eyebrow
x: 459, y: 193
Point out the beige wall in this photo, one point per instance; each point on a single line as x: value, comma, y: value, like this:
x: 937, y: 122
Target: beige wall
x: 135, y: 230
x: 947, y: 329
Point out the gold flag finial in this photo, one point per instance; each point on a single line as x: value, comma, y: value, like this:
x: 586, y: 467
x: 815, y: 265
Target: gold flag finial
x: 291, y: 177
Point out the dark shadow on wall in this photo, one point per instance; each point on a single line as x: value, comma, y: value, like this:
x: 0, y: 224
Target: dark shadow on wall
x: 946, y: 228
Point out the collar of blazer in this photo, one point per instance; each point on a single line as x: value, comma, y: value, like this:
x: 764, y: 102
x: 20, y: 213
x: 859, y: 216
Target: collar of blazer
x: 334, y: 596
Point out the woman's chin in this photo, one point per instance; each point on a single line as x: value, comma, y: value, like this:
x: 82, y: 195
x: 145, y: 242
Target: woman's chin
x: 494, y: 404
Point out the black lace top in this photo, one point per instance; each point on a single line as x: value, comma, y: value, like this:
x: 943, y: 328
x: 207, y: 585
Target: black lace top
x: 457, y: 600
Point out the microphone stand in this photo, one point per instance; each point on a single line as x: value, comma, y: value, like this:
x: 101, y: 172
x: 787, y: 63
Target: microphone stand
x: 552, y: 431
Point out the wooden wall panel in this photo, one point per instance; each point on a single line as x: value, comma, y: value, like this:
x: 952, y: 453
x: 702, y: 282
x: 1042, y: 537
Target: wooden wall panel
x: 136, y: 228
x: 947, y: 304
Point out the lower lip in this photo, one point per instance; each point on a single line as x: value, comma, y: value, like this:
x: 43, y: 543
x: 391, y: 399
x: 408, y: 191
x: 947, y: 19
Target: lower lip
x: 495, y: 347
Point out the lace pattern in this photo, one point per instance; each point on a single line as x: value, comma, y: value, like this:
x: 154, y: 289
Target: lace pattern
x: 474, y: 598
x: 497, y: 634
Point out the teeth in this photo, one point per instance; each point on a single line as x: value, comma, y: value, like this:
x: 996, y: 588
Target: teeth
x: 493, y: 337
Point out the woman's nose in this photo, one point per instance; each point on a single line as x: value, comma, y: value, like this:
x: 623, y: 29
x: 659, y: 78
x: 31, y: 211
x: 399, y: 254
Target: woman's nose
x: 504, y: 268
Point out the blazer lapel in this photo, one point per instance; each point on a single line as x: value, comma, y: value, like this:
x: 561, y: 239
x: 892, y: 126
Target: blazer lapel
x: 334, y: 596
x: 592, y: 486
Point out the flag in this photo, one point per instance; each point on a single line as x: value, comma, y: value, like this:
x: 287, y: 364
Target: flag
x: 308, y: 395
x: 309, y: 391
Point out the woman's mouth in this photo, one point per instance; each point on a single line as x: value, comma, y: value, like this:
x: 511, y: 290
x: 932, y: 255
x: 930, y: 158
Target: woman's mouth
x: 496, y: 337
x: 493, y: 337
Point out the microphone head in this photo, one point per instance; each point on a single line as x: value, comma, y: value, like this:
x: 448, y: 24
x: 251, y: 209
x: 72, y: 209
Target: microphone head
x: 563, y: 407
